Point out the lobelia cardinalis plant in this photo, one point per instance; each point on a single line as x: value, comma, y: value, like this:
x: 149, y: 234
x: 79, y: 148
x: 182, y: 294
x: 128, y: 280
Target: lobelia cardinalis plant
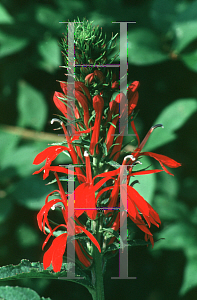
x: 97, y: 155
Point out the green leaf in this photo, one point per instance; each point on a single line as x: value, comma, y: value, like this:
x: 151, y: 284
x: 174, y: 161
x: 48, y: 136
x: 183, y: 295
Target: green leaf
x: 184, y: 34
x: 31, y: 192
x: 20, y: 160
x: 43, y: 14
x: 50, y: 53
x: 5, y: 17
x: 11, y: 44
x: 147, y: 183
x: 7, y: 145
x: 190, y: 278
x: 172, y: 117
x: 182, y: 235
x: 190, y: 60
x: 169, y: 209
x: 31, y: 106
x: 144, y: 47
x: 19, y: 293
x: 162, y: 14
x: 177, y: 236
x: 27, y: 269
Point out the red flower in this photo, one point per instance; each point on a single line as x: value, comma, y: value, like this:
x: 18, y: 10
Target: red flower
x: 96, y: 76
x: 87, y: 203
x: 81, y: 98
x: 132, y: 95
x: 56, y: 251
x: 162, y: 159
x: 98, y: 105
x: 79, y: 86
x: 52, y: 152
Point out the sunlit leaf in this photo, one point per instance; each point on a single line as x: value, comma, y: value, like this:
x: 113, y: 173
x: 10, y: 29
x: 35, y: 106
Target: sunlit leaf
x: 19, y: 293
x: 5, y: 17
x: 11, y: 44
x: 144, y: 47
x: 27, y: 269
x: 147, y: 183
x: 172, y: 117
x: 51, y: 54
x: 31, y: 106
x: 190, y: 60
x: 185, y: 33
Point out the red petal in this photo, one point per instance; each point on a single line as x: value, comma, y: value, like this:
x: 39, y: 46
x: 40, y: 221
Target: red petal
x: 59, y: 246
x: 59, y: 103
x: 91, y: 237
x: 169, y: 162
x: 139, y: 201
x: 50, y: 152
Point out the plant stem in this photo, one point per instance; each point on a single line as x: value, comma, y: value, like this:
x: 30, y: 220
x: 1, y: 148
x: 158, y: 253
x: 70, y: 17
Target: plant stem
x: 99, y: 286
x: 98, y: 293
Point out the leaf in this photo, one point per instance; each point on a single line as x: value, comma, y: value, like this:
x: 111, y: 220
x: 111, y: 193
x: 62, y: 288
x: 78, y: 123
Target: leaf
x: 19, y: 293
x: 144, y: 47
x: 162, y: 14
x: 31, y: 192
x: 169, y: 209
x: 27, y: 269
x: 50, y: 53
x: 179, y: 235
x: 7, y: 145
x: 190, y: 60
x: 184, y: 34
x: 43, y: 14
x: 182, y: 236
x: 172, y: 117
x: 20, y: 159
x: 147, y: 183
x: 31, y: 106
x: 5, y: 17
x: 190, y: 278
x: 11, y: 44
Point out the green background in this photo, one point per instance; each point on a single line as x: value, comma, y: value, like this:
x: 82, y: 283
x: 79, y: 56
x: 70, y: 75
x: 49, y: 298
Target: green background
x: 162, y: 55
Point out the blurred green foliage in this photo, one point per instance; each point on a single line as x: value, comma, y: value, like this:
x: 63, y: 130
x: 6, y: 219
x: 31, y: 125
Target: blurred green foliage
x: 162, y: 55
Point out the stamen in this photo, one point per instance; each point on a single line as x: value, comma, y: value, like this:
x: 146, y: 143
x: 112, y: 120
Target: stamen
x: 56, y: 205
x: 129, y: 157
x: 56, y: 120
x: 137, y: 162
x: 86, y: 153
x: 148, y: 134
x: 134, y: 182
x: 157, y: 125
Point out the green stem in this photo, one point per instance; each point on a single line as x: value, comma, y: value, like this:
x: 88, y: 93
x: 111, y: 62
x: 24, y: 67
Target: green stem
x: 98, y: 293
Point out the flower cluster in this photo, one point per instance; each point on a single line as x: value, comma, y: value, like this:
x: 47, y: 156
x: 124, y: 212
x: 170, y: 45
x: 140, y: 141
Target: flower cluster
x: 96, y: 154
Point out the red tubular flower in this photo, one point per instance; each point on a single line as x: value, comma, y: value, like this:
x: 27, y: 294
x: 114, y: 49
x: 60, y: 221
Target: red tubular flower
x: 89, y: 78
x: 81, y: 98
x: 115, y: 85
x: 162, y: 159
x: 83, y: 256
x: 98, y: 105
x: 88, y: 202
x: 49, y: 154
x: 52, y: 152
x: 132, y: 102
x: 97, y: 75
x: 79, y: 86
x: 56, y: 251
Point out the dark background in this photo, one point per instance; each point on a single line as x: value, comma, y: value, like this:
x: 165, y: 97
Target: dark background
x: 162, y: 55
